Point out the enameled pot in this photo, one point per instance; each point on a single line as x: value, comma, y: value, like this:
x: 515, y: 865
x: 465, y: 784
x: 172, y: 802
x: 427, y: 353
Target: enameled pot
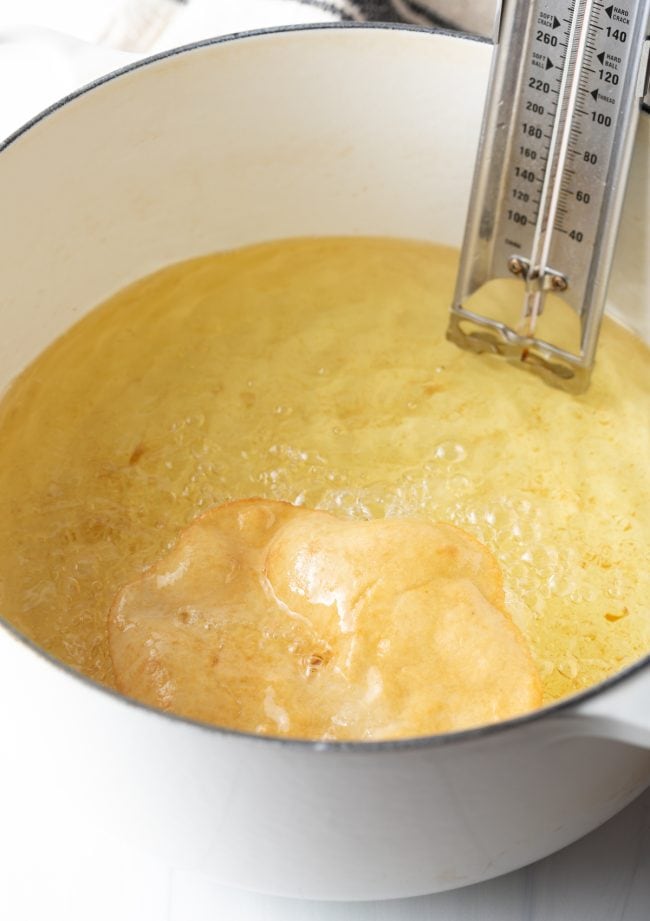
x: 327, y: 130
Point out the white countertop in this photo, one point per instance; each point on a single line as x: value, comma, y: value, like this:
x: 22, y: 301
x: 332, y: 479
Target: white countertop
x: 604, y: 877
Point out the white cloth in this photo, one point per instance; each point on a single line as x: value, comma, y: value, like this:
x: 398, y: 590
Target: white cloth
x: 93, y: 21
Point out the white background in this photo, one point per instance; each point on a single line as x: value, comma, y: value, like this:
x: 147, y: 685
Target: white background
x: 57, y: 877
x: 604, y: 877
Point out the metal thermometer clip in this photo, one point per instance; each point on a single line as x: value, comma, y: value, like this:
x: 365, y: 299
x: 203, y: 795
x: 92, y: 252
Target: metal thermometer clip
x: 558, y: 128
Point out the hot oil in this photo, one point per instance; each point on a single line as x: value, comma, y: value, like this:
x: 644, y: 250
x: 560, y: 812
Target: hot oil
x: 317, y: 371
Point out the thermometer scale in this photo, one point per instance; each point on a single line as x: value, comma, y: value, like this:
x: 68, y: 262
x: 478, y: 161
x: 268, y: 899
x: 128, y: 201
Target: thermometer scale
x: 562, y: 107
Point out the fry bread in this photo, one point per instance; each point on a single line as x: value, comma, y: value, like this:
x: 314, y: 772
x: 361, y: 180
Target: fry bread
x: 276, y: 619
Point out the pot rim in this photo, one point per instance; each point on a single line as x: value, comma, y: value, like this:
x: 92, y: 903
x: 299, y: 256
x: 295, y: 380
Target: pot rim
x: 417, y: 742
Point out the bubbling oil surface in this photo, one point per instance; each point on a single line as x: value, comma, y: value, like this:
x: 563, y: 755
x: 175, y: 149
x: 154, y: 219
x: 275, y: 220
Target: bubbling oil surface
x: 316, y: 371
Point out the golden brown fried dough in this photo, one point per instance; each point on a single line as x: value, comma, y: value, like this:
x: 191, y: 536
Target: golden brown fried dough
x: 270, y: 618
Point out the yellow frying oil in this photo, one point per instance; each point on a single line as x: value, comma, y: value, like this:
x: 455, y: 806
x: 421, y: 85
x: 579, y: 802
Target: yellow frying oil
x: 317, y: 371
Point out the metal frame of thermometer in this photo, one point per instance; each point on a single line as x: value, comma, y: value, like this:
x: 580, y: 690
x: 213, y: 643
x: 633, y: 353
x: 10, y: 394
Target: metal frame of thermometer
x: 562, y: 106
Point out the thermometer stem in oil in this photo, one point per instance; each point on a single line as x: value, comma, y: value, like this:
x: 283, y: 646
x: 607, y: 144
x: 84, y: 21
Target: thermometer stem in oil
x: 558, y: 129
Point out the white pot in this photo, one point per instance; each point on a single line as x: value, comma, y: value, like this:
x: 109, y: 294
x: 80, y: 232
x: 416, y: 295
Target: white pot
x: 334, y: 130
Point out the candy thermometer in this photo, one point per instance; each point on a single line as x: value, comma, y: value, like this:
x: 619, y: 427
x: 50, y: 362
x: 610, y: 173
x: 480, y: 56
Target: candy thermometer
x: 562, y: 105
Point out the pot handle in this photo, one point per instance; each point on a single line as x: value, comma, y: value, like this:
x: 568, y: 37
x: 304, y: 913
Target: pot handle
x: 620, y: 711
